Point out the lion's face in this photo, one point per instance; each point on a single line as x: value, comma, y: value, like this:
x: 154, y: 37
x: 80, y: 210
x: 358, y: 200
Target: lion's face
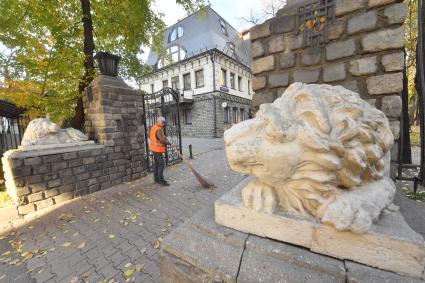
x: 265, y: 146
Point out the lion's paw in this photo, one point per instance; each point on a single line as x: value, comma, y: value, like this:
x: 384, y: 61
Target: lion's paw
x: 259, y: 196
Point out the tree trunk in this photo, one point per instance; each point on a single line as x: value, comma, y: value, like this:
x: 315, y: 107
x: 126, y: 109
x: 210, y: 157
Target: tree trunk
x: 78, y: 120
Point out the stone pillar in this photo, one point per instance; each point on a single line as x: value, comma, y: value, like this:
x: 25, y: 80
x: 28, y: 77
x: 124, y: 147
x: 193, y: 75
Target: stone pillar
x: 113, y: 112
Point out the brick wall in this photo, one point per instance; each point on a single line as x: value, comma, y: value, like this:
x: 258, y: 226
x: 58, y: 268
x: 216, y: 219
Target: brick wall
x: 364, y: 54
x: 38, y: 179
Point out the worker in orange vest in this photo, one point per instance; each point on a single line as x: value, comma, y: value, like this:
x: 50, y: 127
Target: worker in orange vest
x: 158, y: 145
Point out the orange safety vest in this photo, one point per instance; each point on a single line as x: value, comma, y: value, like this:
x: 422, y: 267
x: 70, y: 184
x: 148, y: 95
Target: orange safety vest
x: 155, y: 145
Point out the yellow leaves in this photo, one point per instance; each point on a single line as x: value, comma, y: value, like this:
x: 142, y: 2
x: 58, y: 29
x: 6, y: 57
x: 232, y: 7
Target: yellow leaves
x: 129, y: 273
x: 111, y: 236
x: 6, y: 253
x: 66, y: 244
x: 85, y: 275
x: 82, y: 245
x: 127, y: 265
x: 156, y: 244
x: 139, y: 267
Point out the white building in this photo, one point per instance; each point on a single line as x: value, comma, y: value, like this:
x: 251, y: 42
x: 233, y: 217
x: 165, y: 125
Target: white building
x: 208, y: 65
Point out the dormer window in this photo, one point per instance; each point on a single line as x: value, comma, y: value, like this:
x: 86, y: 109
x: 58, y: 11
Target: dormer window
x: 232, y: 47
x: 176, y: 53
x: 223, y: 26
x: 175, y: 34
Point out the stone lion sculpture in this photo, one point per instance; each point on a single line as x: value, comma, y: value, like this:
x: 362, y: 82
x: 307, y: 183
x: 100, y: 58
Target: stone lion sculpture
x: 42, y: 131
x: 318, y: 150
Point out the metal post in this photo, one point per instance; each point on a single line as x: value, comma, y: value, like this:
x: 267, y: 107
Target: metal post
x: 421, y: 84
x: 190, y: 151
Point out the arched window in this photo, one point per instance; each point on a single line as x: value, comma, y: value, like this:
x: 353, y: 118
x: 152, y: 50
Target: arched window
x: 223, y: 26
x: 177, y: 53
x: 175, y: 33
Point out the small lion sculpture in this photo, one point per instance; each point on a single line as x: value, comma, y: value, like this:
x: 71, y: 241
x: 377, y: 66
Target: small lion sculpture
x: 42, y: 131
x: 317, y: 150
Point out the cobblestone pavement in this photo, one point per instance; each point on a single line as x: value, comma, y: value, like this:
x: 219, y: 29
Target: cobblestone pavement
x: 116, y: 233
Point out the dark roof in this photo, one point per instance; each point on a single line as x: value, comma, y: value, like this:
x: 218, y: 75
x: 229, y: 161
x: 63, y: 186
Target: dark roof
x: 202, y: 31
x: 9, y: 110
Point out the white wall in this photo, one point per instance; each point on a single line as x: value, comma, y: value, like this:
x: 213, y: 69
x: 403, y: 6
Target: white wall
x: 203, y: 62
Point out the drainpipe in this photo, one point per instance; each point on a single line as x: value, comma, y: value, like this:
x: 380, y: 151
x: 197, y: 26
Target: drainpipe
x: 214, y: 98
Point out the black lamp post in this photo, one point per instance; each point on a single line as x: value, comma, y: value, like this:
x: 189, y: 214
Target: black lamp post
x: 108, y: 63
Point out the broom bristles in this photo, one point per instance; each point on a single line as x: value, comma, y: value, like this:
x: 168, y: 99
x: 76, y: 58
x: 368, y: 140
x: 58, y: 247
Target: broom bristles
x: 204, y: 183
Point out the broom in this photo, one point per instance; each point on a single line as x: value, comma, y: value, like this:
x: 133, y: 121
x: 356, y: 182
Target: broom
x: 204, y: 183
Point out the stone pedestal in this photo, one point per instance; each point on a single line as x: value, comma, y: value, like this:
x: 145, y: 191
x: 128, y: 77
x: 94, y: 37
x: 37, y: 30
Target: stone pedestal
x: 390, y: 244
x: 202, y: 251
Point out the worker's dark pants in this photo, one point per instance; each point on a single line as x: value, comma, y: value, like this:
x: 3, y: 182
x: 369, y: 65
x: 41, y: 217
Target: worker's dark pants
x: 158, y: 166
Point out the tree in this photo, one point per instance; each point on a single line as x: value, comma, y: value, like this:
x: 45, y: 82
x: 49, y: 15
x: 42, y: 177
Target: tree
x: 269, y: 11
x: 54, y: 42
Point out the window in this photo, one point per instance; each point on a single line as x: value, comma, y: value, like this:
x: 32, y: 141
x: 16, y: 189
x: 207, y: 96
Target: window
x: 232, y: 47
x: 199, y: 78
x: 223, y: 26
x: 186, y: 81
x: 188, y: 116
x: 239, y: 83
x: 232, y: 80
x: 235, y: 115
x: 176, y: 33
x: 226, y: 115
x: 242, y: 116
x: 223, y: 77
x: 175, y: 83
x: 152, y: 88
x: 164, y: 83
x: 249, y: 87
x: 177, y: 53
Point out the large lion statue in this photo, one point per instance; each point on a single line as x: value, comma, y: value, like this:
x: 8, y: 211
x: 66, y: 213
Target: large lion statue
x: 42, y: 131
x: 318, y: 150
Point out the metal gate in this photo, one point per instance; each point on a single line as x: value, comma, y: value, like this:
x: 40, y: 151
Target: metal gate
x: 163, y: 103
x: 12, y: 126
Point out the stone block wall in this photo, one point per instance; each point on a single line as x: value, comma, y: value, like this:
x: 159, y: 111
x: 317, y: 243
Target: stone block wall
x: 364, y: 54
x: 36, y: 179
x: 203, y: 124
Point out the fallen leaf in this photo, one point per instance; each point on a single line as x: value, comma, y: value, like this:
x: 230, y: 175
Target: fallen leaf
x: 1, y: 238
x: 6, y: 253
x: 156, y: 244
x: 85, y: 274
x: 73, y: 280
x: 66, y: 244
x: 127, y: 265
x: 82, y: 245
x: 111, y: 236
x: 128, y: 273
x: 139, y: 267
x: 14, y: 262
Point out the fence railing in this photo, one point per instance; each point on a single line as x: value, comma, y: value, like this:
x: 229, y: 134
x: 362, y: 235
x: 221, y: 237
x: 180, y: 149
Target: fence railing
x: 11, y: 131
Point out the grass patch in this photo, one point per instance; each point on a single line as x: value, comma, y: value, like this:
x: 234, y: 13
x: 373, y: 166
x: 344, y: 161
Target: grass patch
x: 419, y: 196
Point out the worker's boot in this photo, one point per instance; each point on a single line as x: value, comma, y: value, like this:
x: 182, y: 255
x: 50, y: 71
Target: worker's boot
x: 164, y: 183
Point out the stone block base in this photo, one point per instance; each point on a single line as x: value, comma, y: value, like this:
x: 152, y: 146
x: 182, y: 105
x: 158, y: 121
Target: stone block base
x: 202, y: 251
x: 390, y: 244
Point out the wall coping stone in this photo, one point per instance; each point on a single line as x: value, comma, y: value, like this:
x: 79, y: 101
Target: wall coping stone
x: 16, y: 153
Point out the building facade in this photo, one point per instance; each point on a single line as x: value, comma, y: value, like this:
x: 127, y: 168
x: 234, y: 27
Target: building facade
x: 207, y: 63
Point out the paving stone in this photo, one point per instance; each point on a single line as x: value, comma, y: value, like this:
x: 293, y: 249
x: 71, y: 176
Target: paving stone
x: 396, y: 14
x: 383, y: 40
x: 362, y: 22
x: 340, y: 49
x: 334, y: 72
x: 363, y: 66
x: 393, y: 61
